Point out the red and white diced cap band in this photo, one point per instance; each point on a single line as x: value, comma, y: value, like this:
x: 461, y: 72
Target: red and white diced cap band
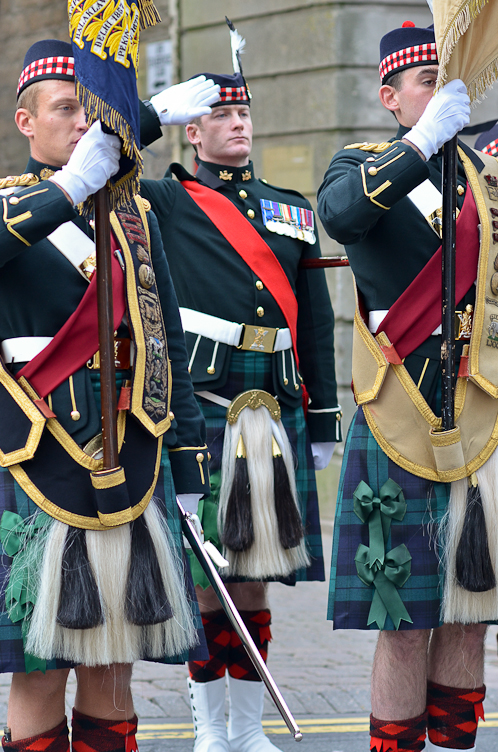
x: 416, y: 55
x: 47, y: 67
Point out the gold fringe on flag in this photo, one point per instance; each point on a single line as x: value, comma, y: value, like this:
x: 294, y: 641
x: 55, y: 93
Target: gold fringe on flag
x: 121, y: 191
x: 467, y: 43
x: 149, y: 15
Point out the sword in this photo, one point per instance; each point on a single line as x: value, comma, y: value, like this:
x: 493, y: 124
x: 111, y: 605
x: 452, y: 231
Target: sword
x: 235, y: 619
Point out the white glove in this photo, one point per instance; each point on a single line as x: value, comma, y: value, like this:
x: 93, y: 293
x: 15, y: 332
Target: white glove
x: 181, y: 103
x: 445, y: 115
x: 94, y: 160
x: 322, y: 453
x: 190, y: 501
x: 197, y: 526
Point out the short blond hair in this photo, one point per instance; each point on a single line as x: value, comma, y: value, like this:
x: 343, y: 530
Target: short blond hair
x: 28, y: 99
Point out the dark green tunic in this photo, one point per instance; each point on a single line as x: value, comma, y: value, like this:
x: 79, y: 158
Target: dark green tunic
x: 211, y: 277
x: 40, y: 289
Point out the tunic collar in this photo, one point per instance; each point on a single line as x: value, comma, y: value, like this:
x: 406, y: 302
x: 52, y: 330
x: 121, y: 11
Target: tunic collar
x: 217, y: 175
x: 41, y: 169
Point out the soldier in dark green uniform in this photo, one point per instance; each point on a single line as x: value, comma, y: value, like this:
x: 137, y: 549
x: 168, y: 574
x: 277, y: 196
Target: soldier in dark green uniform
x: 234, y: 245
x: 70, y: 588
x: 383, y: 202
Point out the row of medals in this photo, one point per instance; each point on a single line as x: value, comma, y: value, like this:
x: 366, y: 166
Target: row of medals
x: 284, y: 228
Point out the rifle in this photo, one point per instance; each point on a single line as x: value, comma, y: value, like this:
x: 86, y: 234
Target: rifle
x: 235, y: 619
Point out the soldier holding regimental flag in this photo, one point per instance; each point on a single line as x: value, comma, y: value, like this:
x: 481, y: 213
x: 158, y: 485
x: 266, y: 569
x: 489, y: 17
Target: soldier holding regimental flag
x: 415, y: 551
x: 92, y: 572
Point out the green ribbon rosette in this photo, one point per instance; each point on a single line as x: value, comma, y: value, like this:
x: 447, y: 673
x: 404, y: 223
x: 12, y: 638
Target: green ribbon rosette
x: 207, y: 511
x: 392, y: 575
x: 19, y: 541
x: 379, y: 512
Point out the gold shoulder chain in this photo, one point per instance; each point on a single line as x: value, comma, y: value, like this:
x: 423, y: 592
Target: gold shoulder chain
x: 19, y: 181
x: 376, y: 148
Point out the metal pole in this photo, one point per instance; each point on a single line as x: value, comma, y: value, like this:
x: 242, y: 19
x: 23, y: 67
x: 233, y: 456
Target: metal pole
x: 236, y: 621
x: 448, y: 279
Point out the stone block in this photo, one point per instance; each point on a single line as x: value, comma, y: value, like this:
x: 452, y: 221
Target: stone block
x: 341, y: 701
x: 343, y: 351
x: 144, y: 708
x: 173, y: 704
x: 195, y: 14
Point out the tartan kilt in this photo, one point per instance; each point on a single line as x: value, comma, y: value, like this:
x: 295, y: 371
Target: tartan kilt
x: 250, y: 370
x: 349, y: 598
x: 14, y: 499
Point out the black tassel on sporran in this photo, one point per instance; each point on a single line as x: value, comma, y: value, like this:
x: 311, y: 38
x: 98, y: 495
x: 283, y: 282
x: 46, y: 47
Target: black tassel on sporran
x: 474, y: 570
x: 146, y: 599
x: 79, y: 601
x: 290, y: 526
x: 238, y: 530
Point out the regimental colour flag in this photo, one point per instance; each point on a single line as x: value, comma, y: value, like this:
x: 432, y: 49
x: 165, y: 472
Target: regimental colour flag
x: 105, y: 41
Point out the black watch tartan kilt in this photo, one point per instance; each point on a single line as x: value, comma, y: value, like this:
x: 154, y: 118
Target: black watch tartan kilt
x: 427, y: 501
x: 14, y: 499
x: 254, y: 371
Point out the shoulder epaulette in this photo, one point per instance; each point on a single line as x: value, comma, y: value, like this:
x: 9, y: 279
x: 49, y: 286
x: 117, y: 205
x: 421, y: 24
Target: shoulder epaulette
x: 376, y: 148
x: 19, y: 181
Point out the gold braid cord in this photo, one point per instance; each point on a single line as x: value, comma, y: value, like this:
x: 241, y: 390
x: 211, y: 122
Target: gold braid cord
x: 19, y: 181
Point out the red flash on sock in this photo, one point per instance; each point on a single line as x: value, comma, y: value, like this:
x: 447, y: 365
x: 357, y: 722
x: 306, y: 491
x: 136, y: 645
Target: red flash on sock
x: 383, y: 745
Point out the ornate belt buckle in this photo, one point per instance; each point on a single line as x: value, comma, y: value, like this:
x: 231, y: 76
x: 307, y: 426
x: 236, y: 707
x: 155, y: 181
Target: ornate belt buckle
x: 463, y: 323
x: 258, y: 338
x: 89, y: 266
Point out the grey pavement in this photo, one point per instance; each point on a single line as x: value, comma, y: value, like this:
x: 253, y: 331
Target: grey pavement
x: 323, y: 675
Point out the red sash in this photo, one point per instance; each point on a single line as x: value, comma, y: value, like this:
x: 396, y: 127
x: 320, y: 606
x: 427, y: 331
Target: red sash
x: 78, y: 340
x: 415, y: 315
x: 249, y: 244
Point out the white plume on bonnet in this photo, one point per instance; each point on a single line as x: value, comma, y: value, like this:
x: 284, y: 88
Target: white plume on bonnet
x: 237, y: 44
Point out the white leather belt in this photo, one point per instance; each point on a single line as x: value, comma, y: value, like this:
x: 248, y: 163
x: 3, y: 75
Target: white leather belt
x: 23, y: 349
x: 75, y: 246
x: 375, y: 319
x: 231, y: 333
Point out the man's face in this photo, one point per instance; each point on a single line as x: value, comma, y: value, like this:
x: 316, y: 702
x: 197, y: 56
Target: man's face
x: 224, y: 136
x: 409, y: 102
x: 58, y: 125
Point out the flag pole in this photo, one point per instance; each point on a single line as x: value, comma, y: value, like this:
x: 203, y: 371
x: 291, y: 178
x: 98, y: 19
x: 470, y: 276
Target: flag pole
x: 106, y: 330
x: 448, y: 284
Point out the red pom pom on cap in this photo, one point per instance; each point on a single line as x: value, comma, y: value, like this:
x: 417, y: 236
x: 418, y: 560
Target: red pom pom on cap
x: 407, y: 25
